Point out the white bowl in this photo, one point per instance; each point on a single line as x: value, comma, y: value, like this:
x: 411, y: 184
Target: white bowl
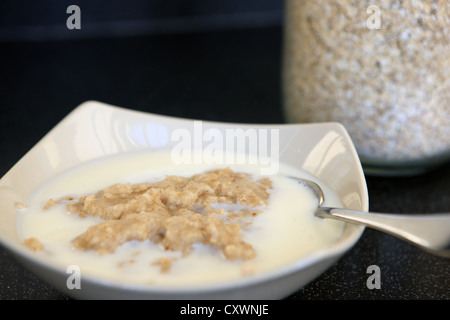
x: 95, y: 130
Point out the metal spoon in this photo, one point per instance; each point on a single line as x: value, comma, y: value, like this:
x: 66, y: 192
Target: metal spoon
x: 430, y: 232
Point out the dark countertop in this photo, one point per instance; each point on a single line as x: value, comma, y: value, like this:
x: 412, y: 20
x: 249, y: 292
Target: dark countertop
x: 229, y: 76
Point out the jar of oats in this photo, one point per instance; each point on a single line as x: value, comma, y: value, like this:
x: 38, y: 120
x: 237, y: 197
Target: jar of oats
x: 381, y: 70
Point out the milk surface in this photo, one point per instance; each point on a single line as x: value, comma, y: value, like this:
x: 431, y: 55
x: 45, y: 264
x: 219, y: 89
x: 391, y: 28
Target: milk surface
x: 284, y: 233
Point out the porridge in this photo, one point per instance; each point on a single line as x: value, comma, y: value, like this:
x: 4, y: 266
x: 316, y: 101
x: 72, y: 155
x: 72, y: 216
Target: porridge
x: 176, y: 212
x: 141, y: 219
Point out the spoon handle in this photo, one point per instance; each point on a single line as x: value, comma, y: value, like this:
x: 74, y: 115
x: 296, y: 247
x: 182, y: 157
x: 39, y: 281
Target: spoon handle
x: 428, y: 231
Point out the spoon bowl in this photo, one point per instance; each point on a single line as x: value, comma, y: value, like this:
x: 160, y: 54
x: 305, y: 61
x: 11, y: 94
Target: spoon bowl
x: 430, y: 232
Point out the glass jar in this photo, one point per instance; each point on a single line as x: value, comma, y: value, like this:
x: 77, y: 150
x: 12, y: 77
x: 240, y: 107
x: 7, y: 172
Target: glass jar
x: 383, y: 71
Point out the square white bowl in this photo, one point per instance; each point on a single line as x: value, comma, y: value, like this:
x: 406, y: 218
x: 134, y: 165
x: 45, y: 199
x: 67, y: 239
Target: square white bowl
x: 95, y: 130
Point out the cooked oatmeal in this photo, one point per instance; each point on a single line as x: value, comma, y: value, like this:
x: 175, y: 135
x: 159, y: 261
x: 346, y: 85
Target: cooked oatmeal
x: 33, y: 244
x: 238, y: 214
x: 176, y: 213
